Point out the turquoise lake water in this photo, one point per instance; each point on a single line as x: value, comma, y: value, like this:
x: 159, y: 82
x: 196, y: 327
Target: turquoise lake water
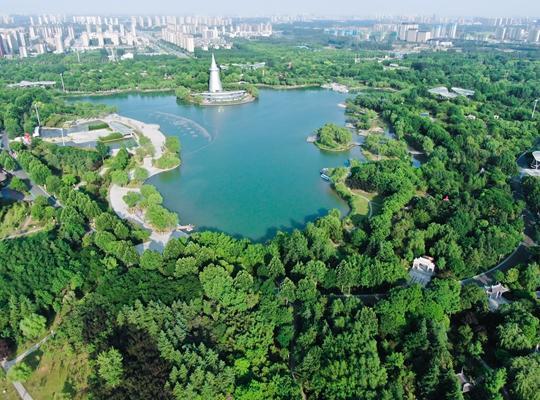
x: 247, y: 170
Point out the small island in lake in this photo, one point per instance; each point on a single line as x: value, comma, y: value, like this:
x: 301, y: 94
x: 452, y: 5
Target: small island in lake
x: 333, y: 137
x: 216, y: 96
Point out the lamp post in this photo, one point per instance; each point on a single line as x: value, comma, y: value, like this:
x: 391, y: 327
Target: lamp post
x: 534, y: 108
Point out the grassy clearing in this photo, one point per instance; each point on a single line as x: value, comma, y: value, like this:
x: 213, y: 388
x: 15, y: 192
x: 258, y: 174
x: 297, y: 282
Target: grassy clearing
x: 362, y: 204
x: 58, y: 374
x: 7, y: 391
x: 15, y: 220
x: 358, y: 204
x: 373, y: 157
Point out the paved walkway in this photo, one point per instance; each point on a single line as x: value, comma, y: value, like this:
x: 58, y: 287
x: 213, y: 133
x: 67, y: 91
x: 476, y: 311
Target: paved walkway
x: 158, y: 240
x: 519, y: 255
x: 35, y: 190
x: 7, y: 365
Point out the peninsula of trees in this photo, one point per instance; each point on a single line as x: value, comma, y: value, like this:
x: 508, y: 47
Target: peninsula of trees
x: 333, y: 138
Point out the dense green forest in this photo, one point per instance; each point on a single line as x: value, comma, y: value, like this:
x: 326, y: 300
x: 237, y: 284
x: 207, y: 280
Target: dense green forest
x: 286, y: 64
x: 327, y: 312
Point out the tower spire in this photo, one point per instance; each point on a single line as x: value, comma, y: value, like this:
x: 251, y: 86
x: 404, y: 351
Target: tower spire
x: 214, y: 83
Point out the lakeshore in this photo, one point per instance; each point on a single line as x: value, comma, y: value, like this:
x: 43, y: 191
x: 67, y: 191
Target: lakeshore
x: 246, y: 170
x: 158, y: 239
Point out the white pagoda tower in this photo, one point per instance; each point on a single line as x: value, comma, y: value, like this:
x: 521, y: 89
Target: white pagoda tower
x: 217, y: 96
x: 214, y: 84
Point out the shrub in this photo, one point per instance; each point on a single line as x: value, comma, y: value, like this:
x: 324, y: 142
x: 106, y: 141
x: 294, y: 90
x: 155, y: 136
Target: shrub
x: 132, y: 198
x: 97, y: 125
x: 18, y: 184
x: 167, y: 161
x: 111, y: 137
x: 19, y: 373
x: 119, y: 178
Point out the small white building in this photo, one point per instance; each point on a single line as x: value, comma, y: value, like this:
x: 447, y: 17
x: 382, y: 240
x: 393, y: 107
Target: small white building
x: 465, y: 383
x: 495, y: 295
x: 422, y: 270
x: 536, y: 160
x: 496, y: 291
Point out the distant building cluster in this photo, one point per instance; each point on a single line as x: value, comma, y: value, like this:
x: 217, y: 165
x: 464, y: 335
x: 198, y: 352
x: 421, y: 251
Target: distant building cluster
x: 434, y: 30
x: 24, y: 36
x: 33, y: 35
x: 205, y: 32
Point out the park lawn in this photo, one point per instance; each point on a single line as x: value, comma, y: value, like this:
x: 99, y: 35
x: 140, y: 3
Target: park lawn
x: 373, y: 157
x: 358, y: 200
x: 7, y: 391
x: 58, y: 374
x: 359, y: 205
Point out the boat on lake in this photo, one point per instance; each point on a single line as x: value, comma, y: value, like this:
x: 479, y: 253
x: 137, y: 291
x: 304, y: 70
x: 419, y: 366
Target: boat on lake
x: 325, y: 177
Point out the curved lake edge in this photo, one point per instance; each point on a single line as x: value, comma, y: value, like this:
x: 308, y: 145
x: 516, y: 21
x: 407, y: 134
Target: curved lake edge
x: 143, y: 106
x: 116, y: 193
x: 113, y: 92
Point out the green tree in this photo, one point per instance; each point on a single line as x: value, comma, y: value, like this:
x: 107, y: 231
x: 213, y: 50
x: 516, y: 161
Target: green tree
x: 140, y: 174
x: 151, y: 259
x: 19, y: 373
x: 132, y: 198
x: 110, y: 367
x: 494, y: 381
x: 119, y: 178
x: 524, y: 374
x: 18, y: 184
x: 33, y: 326
x: 172, y: 144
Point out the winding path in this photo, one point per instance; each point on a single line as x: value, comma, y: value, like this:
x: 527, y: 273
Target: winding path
x: 158, y: 240
x: 7, y: 365
x: 519, y: 255
x: 35, y: 190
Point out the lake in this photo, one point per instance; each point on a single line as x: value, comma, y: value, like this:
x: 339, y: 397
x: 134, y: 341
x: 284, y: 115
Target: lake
x: 247, y: 170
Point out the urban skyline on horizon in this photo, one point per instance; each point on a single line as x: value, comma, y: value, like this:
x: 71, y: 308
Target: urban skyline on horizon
x: 245, y: 8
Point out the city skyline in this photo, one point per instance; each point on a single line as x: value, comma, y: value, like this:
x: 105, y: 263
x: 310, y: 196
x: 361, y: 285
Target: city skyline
x: 518, y: 8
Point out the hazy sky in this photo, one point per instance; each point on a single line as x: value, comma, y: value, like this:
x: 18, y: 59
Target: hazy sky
x: 530, y: 8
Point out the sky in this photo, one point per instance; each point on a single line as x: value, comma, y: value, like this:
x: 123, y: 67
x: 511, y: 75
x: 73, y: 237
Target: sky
x: 489, y: 8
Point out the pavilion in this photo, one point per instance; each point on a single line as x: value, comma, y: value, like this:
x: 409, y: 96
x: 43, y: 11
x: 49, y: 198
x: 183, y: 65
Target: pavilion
x: 495, y: 295
x: 422, y: 270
